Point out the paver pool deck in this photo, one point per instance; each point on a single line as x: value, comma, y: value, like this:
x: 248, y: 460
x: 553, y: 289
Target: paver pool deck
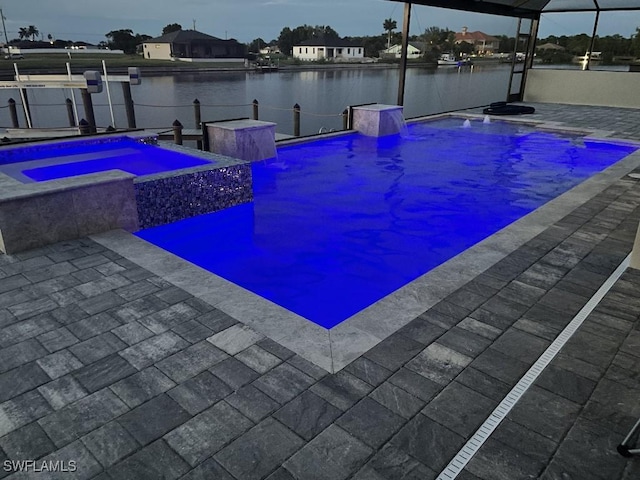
x: 107, y: 364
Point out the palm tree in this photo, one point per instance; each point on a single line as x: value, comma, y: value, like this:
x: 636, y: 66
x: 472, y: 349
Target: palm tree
x: 33, y: 32
x: 389, y: 26
x: 23, y: 33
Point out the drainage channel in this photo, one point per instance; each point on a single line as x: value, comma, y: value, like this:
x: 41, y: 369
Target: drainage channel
x: 457, y: 464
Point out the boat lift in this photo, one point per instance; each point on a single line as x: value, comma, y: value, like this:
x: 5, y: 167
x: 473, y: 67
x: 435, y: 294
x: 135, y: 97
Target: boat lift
x: 89, y: 82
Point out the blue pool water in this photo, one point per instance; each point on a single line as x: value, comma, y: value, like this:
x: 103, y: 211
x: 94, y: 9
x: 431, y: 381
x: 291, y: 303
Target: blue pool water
x: 339, y: 223
x: 73, y: 158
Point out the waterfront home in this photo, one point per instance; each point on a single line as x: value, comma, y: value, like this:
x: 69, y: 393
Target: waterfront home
x: 270, y: 50
x: 335, y: 49
x: 550, y: 47
x: 414, y: 50
x: 483, y: 44
x: 191, y: 44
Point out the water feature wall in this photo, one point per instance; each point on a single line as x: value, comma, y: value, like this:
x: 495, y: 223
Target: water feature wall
x: 378, y: 120
x: 245, y: 139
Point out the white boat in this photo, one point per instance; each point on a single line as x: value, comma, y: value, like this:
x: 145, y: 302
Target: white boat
x: 450, y: 59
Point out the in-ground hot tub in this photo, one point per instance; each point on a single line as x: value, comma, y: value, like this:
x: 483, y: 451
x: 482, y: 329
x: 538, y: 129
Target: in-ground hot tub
x: 58, y: 190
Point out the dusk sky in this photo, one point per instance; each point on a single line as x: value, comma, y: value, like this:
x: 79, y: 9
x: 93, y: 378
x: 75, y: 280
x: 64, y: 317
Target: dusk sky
x: 245, y: 20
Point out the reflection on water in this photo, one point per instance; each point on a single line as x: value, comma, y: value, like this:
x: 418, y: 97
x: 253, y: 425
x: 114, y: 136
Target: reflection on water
x: 321, y: 94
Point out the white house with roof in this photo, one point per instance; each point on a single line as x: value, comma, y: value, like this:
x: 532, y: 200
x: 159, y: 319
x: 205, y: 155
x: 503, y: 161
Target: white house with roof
x: 270, y: 50
x: 335, y: 49
x: 414, y: 50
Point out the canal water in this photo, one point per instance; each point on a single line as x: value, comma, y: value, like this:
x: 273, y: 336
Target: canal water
x: 321, y: 94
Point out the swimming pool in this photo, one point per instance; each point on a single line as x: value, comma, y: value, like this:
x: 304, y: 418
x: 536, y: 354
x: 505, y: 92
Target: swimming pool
x: 72, y: 158
x: 338, y: 224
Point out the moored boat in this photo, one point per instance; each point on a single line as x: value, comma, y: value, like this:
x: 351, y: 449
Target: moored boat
x: 449, y: 59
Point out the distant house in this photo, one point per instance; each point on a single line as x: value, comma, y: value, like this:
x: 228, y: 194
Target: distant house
x: 550, y: 47
x: 191, y: 44
x: 483, y: 44
x: 414, y: 50
x: 334, y: 49
x: 270, y: 50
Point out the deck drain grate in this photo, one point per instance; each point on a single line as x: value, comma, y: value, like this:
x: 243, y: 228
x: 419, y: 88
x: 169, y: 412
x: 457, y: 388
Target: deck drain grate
x: 455, y: 467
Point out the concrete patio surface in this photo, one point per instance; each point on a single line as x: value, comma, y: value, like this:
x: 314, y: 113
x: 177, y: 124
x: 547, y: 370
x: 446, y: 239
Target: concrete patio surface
x: 115, y: 372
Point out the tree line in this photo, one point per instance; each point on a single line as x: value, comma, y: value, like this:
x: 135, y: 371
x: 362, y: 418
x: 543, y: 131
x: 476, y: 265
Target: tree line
x: 435, y: 40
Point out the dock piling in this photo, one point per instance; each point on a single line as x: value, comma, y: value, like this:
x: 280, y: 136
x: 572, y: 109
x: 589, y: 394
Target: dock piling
x: 296, y: 120
x: 198, y: 118
x: 88, y: 109
x: 13, y: 111
x: 177, y: 132
x: 128, y: 105
x: 70, y: 115
x: 85, y: 128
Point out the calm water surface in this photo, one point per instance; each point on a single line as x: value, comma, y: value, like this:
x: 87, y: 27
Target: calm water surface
x: 322, y: 96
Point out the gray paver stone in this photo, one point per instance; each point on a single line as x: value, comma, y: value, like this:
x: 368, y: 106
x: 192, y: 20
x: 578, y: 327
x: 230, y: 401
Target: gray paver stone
x: 154, y: 461
x: 283, y: 383
x: 59, y: 363
x: 191, y: 361
x: 332, y: 455
x: 308, y: 414
x: 153, y: 349
x: 154, y: 418
x: 97, y: 347
x: 140, y: 387
x: 110, y: 443
x: 428, y: 442
x: 29, y: 442
x: 57, y: 339
x: 259, y: 451
x: 460, y: 409
x: 20, y: 380
x: 390, y: 464
x: 252, y: 403
x: 62, y: 391
x: 104, y: 372
x: 370, y: 422
x: 397, y: 400
x: 342, y: 390
x: 208, y: 432
x: 79, y: 418
x: 200, y: 392
x: 21, y: 410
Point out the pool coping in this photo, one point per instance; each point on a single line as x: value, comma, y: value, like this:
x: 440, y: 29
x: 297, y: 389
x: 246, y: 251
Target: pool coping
x: 333, y: 349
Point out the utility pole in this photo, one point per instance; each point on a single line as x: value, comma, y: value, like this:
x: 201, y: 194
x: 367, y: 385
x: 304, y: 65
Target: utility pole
x: 194, y: 23
x: 4, y: 28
